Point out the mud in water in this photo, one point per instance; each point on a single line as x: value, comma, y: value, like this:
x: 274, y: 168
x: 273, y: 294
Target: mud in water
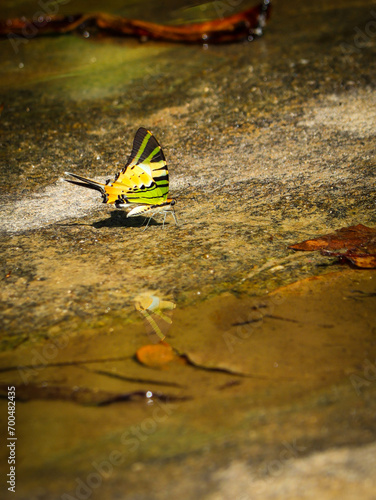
x: 277, y: 376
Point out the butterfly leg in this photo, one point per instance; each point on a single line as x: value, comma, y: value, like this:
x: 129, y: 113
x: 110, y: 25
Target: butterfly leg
x: 164, y: 218
x: 147, y: 225
x: 174, y: 215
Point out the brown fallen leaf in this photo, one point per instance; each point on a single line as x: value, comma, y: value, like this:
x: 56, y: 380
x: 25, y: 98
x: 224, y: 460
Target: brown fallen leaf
x: 362, y: 261
x: 158, y: 355
x: 245, y: 25
x: 359, y: 243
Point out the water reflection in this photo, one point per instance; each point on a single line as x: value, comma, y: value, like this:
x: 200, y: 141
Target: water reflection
x: 154, y: 309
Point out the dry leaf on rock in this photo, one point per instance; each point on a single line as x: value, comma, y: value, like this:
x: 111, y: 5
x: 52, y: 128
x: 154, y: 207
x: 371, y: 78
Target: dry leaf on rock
x: 359, y: 243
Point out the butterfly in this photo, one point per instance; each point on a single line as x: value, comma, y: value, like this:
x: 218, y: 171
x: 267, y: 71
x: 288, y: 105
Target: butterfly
x: 142, y: 185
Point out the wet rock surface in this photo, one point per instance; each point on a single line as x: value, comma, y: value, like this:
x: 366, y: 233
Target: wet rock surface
x: 268, y: 144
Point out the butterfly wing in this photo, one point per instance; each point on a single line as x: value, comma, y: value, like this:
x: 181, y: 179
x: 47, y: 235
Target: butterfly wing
x: 144, y: 179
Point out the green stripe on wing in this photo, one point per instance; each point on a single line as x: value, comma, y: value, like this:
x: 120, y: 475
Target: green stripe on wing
x: 145, y: 176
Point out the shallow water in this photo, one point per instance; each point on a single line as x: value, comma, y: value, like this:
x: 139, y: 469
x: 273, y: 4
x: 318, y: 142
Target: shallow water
x: 268, y: 143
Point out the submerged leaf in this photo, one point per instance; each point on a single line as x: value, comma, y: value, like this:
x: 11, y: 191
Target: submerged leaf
x: 157, y: 355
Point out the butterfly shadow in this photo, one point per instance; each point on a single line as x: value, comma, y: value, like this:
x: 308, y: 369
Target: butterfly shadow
x: 120, y: 219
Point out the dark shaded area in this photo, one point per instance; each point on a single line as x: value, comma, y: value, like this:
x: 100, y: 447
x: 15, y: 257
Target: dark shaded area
x: 119, y: 219
x: 82, y: 395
